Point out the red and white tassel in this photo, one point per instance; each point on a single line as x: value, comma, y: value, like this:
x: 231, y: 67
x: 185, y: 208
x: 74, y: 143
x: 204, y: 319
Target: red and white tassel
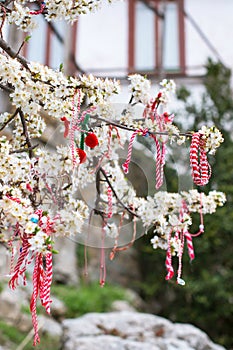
x: 21, y: 260
x: 200, y: 172
x: 45, y: 295
x: 35, y: 283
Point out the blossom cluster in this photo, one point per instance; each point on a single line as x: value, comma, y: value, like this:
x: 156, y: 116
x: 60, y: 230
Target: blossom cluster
x: 213, y: 138
x: 162, y: 212
x: 22, y: 12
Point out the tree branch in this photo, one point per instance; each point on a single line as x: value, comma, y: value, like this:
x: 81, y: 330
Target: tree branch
x: 124, y: 127
x: 12, y: 53
x: 25, y: 132
x: 10, y: 119
x: 115, y: 194
x: 24, y: 149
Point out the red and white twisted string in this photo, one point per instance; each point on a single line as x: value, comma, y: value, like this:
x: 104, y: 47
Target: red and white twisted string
x: 21, y: 260
x: 201, y: 172
x: 38, y: 12
x: 45, y: 295
x: 168, y: 261
x: 160, y: 161
x: 189, y: 242
x: 73, y: 125
x: 125, y: 166
x: 35, y: 283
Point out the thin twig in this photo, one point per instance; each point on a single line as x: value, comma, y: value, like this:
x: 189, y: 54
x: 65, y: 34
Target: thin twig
x: 24, y: 149
x: 115, y: 194
x: 124, y: 127
x: 6, y: 88
x: 10, y: 119
x: 12, y: 53
x: 25, y: 132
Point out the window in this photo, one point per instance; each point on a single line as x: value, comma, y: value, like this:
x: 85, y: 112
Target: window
x: 156, y: 36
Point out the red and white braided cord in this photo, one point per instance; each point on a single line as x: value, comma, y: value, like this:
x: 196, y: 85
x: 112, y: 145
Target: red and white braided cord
x: 35, y: 283
x: 38, y: 12
x: 160, y: 161
x: 200, y: 172
x: 125, y: 166
x: 189, y: 243
x: 21, y: 260
x: 73, y: 125
x: 168, y: 261
x: 45, y: 295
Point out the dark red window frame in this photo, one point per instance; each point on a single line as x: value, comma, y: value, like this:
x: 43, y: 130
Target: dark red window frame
x: 158, y: 43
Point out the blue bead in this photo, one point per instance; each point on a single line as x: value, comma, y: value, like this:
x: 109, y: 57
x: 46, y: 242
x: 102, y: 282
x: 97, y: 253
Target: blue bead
x: 34, y: 220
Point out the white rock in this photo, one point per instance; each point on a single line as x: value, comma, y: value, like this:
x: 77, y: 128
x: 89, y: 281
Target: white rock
x: 121, y: 305
x: 132, y: 331
x: 50, y: 326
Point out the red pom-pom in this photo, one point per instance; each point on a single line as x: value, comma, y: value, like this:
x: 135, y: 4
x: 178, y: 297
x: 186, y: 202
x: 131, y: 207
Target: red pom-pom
x: 91, y: 140
x: 63, y: 119
x: 82, y: 155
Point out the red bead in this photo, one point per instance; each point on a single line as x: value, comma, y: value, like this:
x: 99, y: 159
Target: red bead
x: 82, y: 155
x: 63, y: 119
x: 91, y: 140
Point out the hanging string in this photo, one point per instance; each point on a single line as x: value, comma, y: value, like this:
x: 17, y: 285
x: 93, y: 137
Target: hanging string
x: 45, y: 296
x: 73, y: 124
x: 180, y: 255
x: 38, y: 12
x: 127, y: 246
x: 160, y: 161
x: 168, y: 261
x: 115, y: 247
x: 23, y: 255
x: 35, y: 284
x: 110, y: 198
x: 102, y: 279
x: 201, y: 226
x: 189, y: 243
x: 125, y: 166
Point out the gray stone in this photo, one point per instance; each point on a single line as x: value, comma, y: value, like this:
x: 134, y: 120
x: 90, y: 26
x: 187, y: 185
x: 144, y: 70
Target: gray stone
x: 58, y: 308
x: 10, y: 304
x: 66, y: 266
x: 132, y: 331
x: 50, y: 326
x: 121, y: 305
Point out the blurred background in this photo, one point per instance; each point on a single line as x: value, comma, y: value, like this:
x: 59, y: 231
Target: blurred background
x: 188, y: 41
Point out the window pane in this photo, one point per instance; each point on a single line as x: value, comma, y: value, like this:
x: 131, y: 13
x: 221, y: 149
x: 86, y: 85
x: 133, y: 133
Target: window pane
x: 145, y: 38
x: 102, y: 40
x: 171, y: 38
x: 36, y: 45
x: 57, y: 48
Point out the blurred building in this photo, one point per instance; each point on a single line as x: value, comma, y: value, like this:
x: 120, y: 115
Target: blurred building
x: 154, y: 37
